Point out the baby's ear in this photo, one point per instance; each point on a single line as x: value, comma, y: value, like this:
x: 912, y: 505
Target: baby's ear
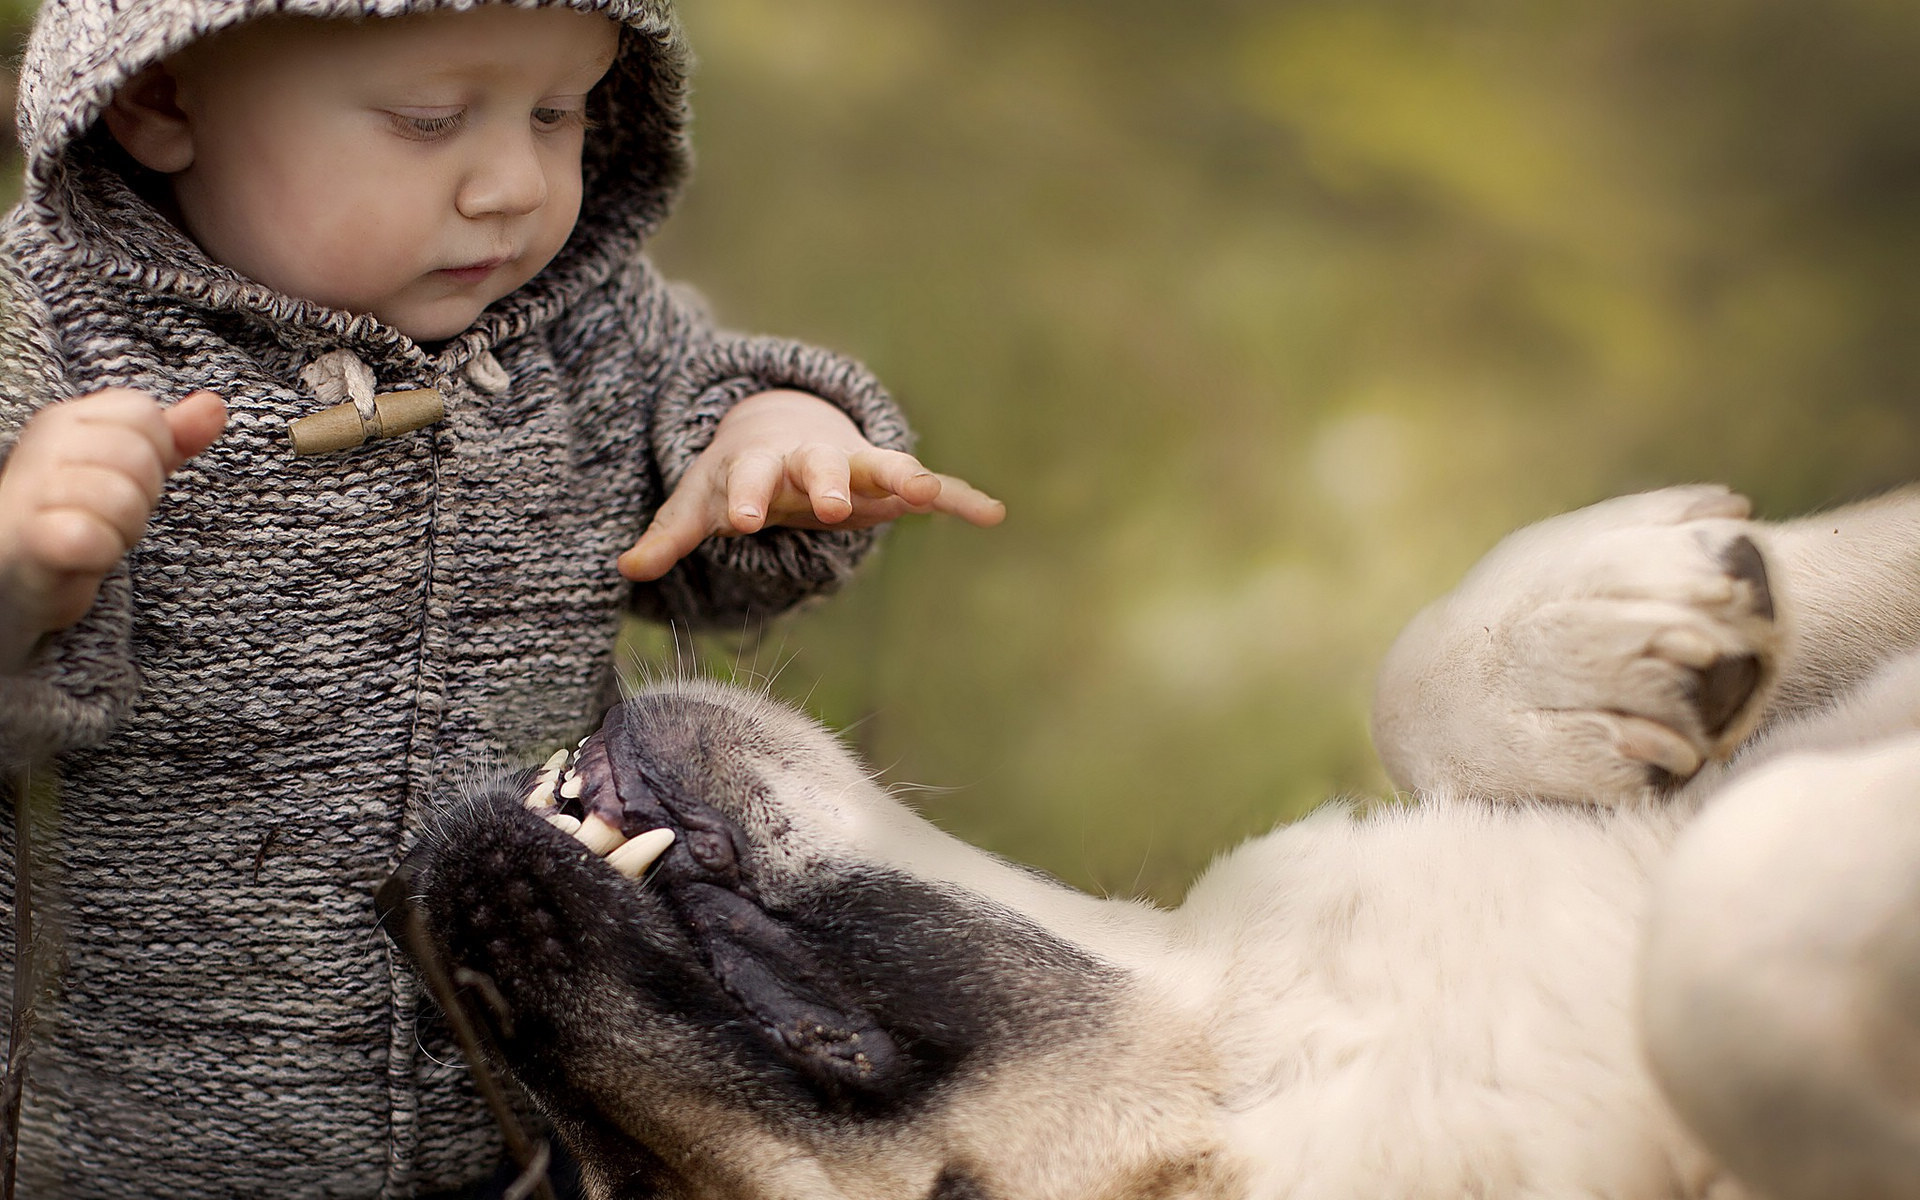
x: 148, y: 122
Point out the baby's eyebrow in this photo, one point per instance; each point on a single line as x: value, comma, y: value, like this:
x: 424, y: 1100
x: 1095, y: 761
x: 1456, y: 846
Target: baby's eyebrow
x: 581, y: 78
x: 600, y: 71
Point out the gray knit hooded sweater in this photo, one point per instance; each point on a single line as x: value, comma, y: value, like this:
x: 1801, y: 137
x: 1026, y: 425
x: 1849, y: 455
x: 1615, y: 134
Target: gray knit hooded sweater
x: 307, y: 654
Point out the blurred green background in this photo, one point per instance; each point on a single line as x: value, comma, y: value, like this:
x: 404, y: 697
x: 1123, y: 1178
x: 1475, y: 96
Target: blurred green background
x: 1266, y: 319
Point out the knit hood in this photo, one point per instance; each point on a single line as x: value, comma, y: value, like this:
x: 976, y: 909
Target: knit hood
x: 83, y: 51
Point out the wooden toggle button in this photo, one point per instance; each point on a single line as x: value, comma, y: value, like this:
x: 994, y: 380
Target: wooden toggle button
x: 343, y: 426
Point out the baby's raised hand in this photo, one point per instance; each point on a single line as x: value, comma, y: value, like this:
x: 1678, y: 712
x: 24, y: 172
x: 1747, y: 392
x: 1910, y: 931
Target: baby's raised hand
x: 789, y: 458
x: 75, y: 496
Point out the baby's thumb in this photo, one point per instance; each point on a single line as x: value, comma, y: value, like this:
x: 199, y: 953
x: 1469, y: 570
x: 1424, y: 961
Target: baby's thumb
x: 195, y: 421
x: 676, y: 529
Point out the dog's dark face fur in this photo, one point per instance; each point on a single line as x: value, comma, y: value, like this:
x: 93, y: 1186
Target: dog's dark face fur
x: 778, y: 1008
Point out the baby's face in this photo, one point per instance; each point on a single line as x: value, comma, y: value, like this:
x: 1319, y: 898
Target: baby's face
x: 416, y: 168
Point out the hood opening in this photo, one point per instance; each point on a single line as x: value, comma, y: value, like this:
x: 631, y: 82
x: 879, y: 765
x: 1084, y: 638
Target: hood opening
x: 88, y: 193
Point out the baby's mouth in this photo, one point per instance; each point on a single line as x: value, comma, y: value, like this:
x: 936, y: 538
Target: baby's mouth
x: 473, y: 272
x: 574, y: 791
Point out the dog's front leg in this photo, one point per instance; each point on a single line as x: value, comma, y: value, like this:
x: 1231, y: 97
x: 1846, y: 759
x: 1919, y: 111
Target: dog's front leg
x: 1601, y: 656
x: 1854, y: 576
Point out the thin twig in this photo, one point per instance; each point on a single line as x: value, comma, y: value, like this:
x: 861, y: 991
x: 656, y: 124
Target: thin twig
x: 532, y: 1156
x: 20, y: 1026
x: 534, y: 1178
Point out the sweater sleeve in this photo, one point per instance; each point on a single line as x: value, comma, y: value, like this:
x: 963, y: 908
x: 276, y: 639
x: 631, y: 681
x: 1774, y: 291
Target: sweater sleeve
x: 707, y: 371
x: 78, y: 686
x: 80, y: 681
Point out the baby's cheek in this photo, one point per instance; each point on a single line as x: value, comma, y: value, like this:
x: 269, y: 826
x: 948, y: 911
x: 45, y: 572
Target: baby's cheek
x: 557, y: 219
x: 359, y: 265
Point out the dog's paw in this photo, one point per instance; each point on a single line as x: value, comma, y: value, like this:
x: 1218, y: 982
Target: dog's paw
x: 1605, y: 655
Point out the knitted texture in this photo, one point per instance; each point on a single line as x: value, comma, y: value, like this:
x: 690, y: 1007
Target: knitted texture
x: 306, y: 656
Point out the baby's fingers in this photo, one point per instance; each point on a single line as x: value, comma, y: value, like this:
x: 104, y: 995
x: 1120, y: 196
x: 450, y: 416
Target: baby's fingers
x: 822, y: 474
x: 969, y: 503
x: 92, y: 511
x: 754, y: 482
x: 892, y: 473
x: 682, y: 523
x: 75, y: 541
x: 879, y: 473
x: 90, y: 450
x: 961, y: 499
x: 193, y: 423
x: 116, y: 416
x: 127, y: 431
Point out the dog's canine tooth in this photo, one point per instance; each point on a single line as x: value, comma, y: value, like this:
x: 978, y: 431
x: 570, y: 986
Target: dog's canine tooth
x: 597, y: 835
x: 563, y: 822
x: 542, y: 794
x: 638, y: 854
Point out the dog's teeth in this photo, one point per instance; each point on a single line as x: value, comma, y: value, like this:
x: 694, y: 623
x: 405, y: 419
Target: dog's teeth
x: 598, y: 836
x: 571, y: 787
x: 542, y: 794
x: 563, y: 822
x: 637, y: 855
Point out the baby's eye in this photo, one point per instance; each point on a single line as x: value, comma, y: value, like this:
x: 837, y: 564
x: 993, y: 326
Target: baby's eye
x: 428, y: 124
x: 549, y: 120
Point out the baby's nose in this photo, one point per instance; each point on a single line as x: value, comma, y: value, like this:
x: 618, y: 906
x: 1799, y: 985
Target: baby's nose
x: 507, y: 178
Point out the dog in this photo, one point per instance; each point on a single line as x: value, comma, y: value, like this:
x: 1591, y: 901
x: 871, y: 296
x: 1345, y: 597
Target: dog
x: 725, y: 962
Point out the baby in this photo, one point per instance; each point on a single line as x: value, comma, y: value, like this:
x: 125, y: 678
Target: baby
x: 383, y: 258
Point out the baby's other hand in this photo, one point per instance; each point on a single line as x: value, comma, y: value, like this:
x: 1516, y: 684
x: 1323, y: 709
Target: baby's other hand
x: 75, y: 496
x: 789, y: 458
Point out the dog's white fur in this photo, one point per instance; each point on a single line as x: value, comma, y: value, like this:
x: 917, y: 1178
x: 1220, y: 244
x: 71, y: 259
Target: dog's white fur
x: 1432, y: 1001
x: 1442, y: 999
x: 1780, y: 974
